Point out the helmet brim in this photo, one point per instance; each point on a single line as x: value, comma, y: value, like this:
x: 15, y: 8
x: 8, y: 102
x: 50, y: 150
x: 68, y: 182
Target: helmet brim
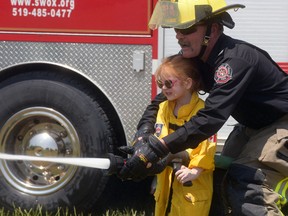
x: 170, y: 16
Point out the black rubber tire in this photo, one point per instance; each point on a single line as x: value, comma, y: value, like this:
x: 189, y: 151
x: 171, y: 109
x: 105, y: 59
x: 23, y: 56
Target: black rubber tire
x: 70, y: 98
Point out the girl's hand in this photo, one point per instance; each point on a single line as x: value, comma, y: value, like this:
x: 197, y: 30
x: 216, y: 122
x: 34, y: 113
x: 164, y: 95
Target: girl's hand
x: 185, y: 174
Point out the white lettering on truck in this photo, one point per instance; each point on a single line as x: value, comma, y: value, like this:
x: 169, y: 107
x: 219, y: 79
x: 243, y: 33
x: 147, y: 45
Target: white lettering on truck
x: 42, y: 8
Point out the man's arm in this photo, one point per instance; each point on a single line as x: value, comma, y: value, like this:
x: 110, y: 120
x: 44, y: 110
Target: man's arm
x: 220, y: 103
x: 148, y: 119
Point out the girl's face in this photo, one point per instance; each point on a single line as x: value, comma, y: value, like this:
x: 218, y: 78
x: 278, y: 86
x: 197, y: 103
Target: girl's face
x: 173, y: 87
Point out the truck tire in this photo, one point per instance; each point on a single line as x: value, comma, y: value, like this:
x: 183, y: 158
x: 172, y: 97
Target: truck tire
x: 46, y: 114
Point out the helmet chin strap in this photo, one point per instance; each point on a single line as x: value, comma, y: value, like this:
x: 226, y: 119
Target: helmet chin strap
x: 205, y: 41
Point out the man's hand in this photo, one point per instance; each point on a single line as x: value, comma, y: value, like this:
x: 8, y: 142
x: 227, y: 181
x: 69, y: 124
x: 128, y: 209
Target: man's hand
x: 142, y: 133
x: 145, y: 155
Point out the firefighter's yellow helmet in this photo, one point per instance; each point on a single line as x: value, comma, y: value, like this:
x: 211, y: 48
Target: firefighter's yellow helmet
x: 183, y: 14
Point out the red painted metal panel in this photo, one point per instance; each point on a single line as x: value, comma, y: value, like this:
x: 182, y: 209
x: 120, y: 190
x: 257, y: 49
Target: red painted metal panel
x: 284, y: 66
x: 76, y: 16
x: 99, y: 39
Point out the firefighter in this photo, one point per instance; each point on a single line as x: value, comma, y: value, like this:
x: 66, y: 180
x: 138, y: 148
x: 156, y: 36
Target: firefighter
x: 243, y: 82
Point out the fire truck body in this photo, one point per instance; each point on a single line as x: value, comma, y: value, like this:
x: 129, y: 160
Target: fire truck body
x: 75, y: 78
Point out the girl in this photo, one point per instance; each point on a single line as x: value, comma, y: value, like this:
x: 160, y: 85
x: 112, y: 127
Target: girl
x: 180, y: 81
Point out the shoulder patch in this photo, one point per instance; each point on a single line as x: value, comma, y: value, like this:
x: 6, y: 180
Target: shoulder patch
x: 223, y: 74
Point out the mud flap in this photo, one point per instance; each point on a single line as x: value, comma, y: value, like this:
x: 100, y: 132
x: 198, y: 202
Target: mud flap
x: 244, y: 190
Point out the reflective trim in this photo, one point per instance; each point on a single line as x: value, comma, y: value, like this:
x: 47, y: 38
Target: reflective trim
x: 282, y: 190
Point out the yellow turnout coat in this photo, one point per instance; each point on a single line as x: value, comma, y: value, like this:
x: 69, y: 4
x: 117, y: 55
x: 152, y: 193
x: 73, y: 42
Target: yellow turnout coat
x: 194, y: 200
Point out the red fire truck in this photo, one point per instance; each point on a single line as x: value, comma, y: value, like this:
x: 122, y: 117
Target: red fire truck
x: 75, y: 78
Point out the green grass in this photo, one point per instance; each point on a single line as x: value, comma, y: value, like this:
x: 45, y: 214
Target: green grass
x: 126, y: 199
x: 66, y: 212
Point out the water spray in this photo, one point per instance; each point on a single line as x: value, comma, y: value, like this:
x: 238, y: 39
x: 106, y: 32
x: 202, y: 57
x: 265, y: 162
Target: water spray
x: 113, y: 163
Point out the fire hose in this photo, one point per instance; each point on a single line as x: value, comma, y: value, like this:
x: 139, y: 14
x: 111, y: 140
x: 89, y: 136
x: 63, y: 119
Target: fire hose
x: 112, y: 164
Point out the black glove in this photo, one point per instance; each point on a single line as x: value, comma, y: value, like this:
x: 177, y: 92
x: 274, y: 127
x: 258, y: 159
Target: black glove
x: 158, y: 167
x: 145, y: 155
x: 116, y: 164
x: 144, y: 132
x: 155, y: 168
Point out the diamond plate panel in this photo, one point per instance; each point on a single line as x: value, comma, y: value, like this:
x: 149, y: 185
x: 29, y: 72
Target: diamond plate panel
x: 109, y: 66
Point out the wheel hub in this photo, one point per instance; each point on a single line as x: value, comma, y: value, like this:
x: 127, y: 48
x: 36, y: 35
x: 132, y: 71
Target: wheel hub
x: 40, y: 132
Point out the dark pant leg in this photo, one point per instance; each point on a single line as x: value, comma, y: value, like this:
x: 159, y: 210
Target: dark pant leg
x: 244, y: 190
x: 218, y: 205
x: 232, y: 148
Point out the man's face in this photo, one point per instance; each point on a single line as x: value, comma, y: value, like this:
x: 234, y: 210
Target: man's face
x: 190, y: 40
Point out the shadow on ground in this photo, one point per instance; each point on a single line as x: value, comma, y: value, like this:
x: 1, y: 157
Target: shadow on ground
x: 123, y: 195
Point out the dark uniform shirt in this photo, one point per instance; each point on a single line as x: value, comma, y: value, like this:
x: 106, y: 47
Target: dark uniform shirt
x: 243, y: 81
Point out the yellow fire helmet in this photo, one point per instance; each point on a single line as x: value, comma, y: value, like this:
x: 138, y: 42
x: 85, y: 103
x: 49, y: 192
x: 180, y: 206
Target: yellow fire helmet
x: 183, y: 14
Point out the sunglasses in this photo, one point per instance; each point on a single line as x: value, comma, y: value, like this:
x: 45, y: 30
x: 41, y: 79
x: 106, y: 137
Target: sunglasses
x: 189, y: 30
x: 167, y: 83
